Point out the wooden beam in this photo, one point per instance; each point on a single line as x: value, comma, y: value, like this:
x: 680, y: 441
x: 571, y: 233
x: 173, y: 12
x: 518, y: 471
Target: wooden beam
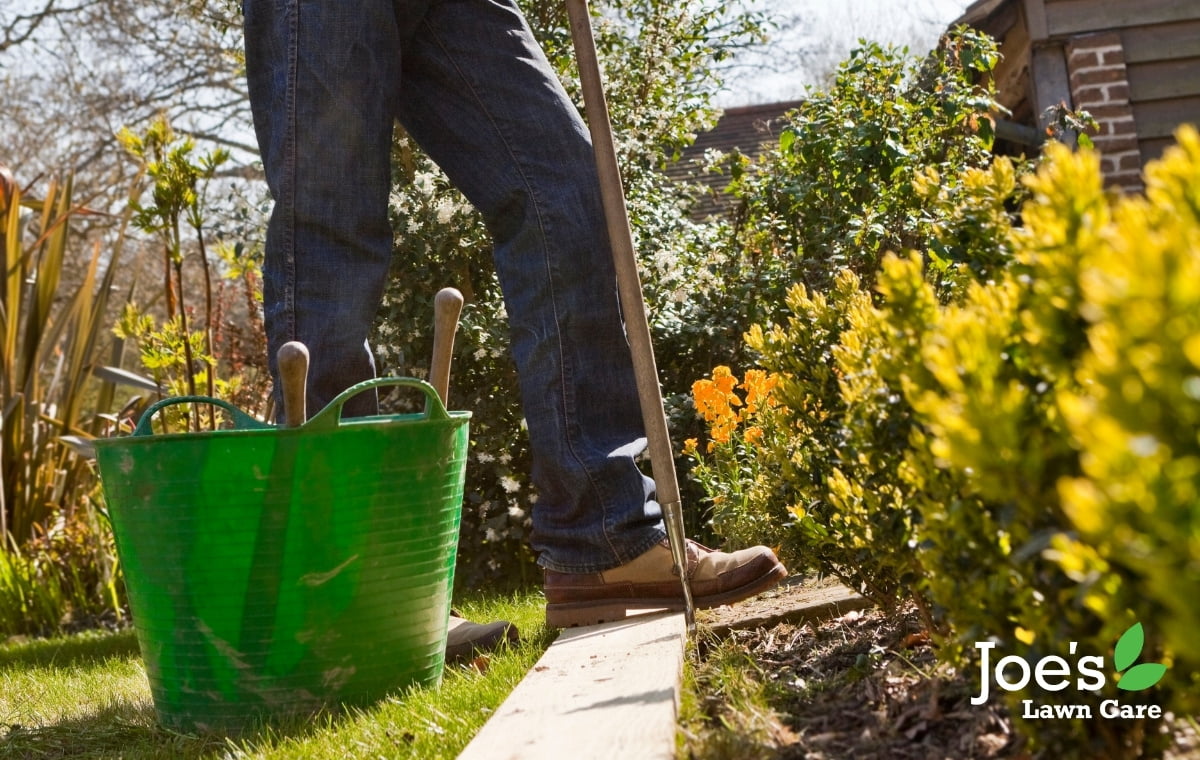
x: 1067, y: 17
x: 604, y: 692
x: 1035, y: 19
x: 1051, y: 80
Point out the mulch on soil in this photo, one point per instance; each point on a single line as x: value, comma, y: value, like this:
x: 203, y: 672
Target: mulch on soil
x: 862, y: 684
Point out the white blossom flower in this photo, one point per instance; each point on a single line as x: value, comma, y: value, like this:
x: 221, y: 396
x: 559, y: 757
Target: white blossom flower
x: 423, y: 182
x: 510, y: 484
x: 484, y: 457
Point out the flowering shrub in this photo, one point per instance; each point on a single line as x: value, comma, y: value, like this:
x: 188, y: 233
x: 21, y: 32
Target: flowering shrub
x: 738, y: 481
x: 876, y: 164
x: 896, y: 151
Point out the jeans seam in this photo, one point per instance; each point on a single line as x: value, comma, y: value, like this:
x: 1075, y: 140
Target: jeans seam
x: 567, y: 395
x: 290, y: 163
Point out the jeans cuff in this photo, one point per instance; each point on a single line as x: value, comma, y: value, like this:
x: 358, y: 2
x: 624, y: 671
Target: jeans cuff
x: 635, y: 551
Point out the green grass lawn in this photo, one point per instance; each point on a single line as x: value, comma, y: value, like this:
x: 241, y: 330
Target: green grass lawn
x: 86, y: 696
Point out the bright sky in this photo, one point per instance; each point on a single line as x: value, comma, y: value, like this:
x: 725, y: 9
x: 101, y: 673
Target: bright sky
x: 801, y: 54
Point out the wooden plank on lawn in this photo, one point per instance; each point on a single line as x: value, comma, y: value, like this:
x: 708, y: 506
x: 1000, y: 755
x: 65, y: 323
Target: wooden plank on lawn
x: 602, y: 692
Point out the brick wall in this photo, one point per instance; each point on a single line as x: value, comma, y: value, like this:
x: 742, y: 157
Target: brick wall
x: 1099, y: 85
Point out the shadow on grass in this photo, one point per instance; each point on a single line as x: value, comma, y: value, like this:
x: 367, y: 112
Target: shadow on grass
x: 131, y: 731
x: 120, y: 730
x: 123, y: 728
x: 83, y: 648
x: 128, y: 728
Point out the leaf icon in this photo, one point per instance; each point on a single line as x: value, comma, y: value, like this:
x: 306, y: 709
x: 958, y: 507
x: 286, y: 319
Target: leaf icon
x: 1142, y: 677
x: 1129, y: 647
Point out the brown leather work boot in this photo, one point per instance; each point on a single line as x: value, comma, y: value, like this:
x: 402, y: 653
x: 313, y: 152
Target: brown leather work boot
x: 648, y: 583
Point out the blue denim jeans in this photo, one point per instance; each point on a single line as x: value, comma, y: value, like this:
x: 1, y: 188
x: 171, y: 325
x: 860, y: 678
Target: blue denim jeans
x: 328, y: 79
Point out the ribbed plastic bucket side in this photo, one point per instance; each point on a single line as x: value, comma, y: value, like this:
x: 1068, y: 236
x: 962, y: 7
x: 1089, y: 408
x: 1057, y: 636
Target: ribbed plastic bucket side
x: 275, y: 572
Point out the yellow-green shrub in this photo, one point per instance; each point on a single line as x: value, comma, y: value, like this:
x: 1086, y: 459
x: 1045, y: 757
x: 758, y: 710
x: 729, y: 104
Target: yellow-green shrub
x: 844, y: 493
x: 1058, y: 408
x: 987, y: 449
x: 1135, y: 412
x: 842, y: 512
x: 1023, y: 455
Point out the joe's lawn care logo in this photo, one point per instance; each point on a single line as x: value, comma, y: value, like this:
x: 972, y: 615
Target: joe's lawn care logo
x: 1053, y: 673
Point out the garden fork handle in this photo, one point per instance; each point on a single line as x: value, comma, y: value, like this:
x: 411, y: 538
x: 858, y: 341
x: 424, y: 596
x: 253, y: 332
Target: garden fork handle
x: 633, y: 306
x: 293, y: 380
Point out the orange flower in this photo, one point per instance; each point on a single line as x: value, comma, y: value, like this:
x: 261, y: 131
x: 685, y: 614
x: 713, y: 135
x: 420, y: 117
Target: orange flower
x: 759, y: 386
x: 723, y: 431
x: 753, y: 435
x: 725, y: 380
x: 715, y: 398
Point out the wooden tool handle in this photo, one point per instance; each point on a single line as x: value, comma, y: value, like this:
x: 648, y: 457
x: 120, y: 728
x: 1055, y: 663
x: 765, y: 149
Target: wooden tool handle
x: 293, y: 377
x: 447, y: 306
x: 633, y: 306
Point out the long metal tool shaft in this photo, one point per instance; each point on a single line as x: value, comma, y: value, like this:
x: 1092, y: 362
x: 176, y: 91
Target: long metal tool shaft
x: 629, y: 286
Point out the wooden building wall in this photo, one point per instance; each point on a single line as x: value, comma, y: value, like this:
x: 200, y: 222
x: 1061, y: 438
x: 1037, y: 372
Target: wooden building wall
x: 1161, y: 41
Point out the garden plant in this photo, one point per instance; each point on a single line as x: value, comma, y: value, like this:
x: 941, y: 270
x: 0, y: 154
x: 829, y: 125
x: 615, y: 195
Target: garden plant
x: 994, y: 422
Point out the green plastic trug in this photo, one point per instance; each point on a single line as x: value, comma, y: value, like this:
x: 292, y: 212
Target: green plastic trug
x: 278, y: 571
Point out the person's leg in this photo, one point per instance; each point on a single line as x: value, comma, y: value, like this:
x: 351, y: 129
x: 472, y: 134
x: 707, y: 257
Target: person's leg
x: 480, y: 98
x: 323, y: 78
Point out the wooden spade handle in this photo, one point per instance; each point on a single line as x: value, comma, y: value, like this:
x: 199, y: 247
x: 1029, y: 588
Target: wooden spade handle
x: 447, y: 306
x: 293, y: 377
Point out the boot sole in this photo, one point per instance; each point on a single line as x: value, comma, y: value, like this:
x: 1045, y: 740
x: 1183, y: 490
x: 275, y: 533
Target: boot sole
x: 574, y: 614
